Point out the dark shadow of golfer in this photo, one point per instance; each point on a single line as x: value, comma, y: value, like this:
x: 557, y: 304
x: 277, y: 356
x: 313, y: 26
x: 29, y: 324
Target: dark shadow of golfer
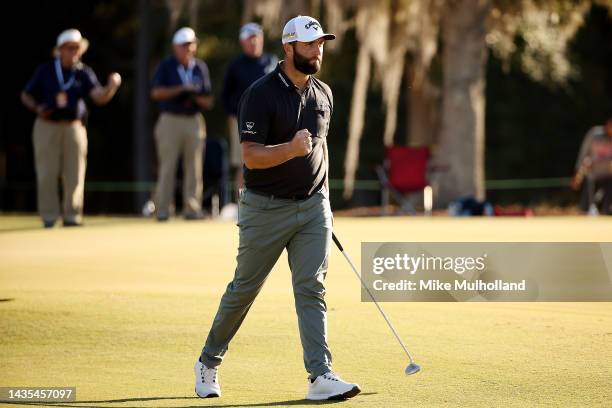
x: 288, y: 403
x: 77, y: 404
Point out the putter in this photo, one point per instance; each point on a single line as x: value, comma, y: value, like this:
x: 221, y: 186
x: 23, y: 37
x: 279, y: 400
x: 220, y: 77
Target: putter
x: 413, y: 367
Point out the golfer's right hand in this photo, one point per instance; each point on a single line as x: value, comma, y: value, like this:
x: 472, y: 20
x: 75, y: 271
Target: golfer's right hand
x: 301, y: 143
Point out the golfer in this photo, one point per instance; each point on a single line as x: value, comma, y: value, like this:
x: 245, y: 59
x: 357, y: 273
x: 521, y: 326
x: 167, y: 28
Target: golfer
x: 284, y: 119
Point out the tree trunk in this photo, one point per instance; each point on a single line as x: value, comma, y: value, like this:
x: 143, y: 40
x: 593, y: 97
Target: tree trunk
x: 175, y: 8
x: 461, y: 148
x: 372, y: 25
x: 422, y: 110
x: 142, y: 142
x: 391, y: 89
x: 358, y: 103
x: 423, y: 107
x: 194, y: 7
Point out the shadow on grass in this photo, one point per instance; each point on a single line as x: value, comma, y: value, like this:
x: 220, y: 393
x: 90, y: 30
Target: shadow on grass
x: 116, y: 220
x: 18, y: 229
x: 76, y: 404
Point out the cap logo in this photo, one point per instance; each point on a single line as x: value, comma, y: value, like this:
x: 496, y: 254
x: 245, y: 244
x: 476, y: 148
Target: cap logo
x: 250, y: 125
x: 312, y: 24
x: 290, y: 35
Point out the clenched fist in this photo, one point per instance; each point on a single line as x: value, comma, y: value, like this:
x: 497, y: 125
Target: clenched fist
x: 301, y: 143
x: 114, y: 80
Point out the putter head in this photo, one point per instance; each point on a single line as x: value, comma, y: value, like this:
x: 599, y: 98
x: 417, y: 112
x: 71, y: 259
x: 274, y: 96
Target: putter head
x: 412, y: 369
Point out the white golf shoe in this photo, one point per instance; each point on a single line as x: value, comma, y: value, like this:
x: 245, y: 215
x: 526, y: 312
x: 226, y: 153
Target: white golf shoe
x: 207, y: 381
x: 331, y: 387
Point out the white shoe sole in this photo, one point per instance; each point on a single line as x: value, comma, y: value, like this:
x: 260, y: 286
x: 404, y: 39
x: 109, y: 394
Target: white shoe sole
x: 211, y: 395
x: 346, y: 395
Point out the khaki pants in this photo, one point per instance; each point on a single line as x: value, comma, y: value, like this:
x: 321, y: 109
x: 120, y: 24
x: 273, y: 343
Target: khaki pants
x: 60, y: 149
x: 179, y: 135
x: 234, y: 139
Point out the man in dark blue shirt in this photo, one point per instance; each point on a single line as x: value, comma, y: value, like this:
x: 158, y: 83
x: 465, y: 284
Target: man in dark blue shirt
x: 182, y: 87
x: 56, y: 93
x: 245, y: 69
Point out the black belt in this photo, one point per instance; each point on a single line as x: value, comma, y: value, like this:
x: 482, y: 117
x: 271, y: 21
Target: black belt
x: 65, y: 121
x: 181, y: 113
x: 296, y: 197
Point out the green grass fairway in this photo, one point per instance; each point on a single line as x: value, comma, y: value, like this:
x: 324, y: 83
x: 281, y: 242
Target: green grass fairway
x: 120, y: 309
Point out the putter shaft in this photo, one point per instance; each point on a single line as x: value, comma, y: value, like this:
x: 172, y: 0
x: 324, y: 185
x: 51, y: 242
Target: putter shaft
x: 382, y: 312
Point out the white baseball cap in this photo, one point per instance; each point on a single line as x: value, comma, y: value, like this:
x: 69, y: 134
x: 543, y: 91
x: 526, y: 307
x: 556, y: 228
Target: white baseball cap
x: 183, y: 36
x: 249, y: 30
x: 71, y: 35
x: 304, y: 29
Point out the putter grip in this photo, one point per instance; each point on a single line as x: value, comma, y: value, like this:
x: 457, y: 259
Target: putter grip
x: 338, y: 244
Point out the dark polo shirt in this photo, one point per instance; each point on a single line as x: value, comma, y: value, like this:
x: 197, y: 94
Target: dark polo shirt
x: 271, y: 111
x: 44, y: 87
x: 167, y: 74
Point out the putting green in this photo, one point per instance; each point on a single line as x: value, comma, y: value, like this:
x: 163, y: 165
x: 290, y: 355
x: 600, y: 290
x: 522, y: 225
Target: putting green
x: 120, y: 309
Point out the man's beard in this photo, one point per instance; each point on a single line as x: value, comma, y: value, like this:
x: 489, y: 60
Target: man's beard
x: 303, y: 65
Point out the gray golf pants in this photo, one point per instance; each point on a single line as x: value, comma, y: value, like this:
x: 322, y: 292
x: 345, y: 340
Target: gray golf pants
x: 267, y: 226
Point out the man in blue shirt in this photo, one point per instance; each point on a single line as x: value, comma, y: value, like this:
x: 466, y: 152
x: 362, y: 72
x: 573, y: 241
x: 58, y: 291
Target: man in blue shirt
x: 182, y: 87
x: 56, y: 94
x: 242, y: 71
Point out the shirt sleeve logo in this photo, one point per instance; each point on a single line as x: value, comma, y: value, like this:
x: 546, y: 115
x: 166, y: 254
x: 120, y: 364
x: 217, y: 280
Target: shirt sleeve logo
x: 249, y: 126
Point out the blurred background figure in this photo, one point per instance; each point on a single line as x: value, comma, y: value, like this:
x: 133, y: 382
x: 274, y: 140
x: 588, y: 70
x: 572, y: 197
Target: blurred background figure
x: 182, y: 87
x: 483, y: 125
x: 594, y: 170
x: 56, y: 94
x: 242, y: 71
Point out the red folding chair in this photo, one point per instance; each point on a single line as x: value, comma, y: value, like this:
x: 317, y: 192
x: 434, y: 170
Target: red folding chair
x: 403, y: 175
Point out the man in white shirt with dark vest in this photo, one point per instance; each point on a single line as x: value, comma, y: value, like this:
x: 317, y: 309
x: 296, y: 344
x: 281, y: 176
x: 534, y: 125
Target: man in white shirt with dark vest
x: 283, y: 119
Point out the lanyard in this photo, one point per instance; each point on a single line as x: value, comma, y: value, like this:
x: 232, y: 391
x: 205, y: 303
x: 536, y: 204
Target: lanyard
x: 64, y: 86
x: 186, y: 75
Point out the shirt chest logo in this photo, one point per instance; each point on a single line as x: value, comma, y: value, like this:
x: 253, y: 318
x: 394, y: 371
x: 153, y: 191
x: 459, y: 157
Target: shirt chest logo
x: 250, y: 125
